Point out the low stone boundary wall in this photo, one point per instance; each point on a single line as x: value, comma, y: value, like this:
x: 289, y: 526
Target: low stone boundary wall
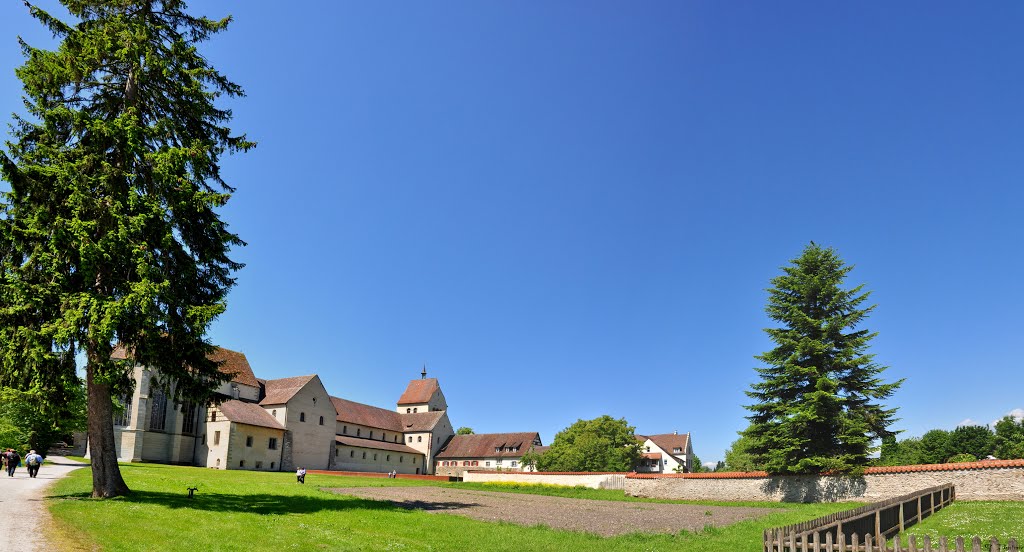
x: 594, y: 480
x: 381, y: 475
x: 986, y: 480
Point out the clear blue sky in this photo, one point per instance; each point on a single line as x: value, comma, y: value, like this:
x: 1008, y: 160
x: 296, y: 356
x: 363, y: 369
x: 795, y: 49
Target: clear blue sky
x: 568, y: 209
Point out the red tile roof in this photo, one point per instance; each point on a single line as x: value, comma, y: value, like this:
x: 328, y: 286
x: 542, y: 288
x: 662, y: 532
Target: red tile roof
x: 282, y: 390
x: 231, y: 362
x: 419, y: 391
x: 482, y: 445
x: 875, y: 470
x: 366, y: 415
x: 374, y: 444
x: 423, y: 421
x: 653, y: 455
x: 235, y: 363
x: 249, y: 414
x: 670, y: 441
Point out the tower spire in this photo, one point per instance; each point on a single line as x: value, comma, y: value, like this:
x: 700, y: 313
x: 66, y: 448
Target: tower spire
x: 423, y: 374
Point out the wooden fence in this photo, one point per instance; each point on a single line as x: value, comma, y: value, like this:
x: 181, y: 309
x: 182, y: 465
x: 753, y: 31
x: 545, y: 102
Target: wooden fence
x: 868, y: 544
x: 876, y: 522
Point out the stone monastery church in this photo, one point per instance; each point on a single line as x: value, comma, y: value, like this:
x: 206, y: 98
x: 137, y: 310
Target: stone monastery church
x: 281, y: 424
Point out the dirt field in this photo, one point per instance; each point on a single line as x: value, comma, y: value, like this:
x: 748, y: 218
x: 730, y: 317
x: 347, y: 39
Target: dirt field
x: 602, y: 517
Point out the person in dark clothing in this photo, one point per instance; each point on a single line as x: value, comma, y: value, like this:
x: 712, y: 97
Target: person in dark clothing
x: 13, y: 459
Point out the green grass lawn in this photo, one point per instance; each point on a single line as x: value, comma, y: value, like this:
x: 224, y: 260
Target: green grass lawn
x: 1002, y: 520
x: 252, y: 511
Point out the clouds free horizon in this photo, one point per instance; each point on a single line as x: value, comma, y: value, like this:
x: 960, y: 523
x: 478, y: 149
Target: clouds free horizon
x: 570, y: 209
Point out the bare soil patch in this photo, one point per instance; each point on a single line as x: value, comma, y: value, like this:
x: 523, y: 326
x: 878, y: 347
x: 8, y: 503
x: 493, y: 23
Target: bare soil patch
x: 602, y: 517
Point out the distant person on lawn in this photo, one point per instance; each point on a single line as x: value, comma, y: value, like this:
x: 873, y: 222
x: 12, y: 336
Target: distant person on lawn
x: 300, y: 475
x: 33, y: 461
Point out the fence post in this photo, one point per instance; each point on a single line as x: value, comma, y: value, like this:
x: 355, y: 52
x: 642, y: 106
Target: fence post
x: 828, y: 542
x: 976, y: 544
x: 919, y: 518
x: 993, y: 544
x: 878, y: 524
x: 901, y: 518
x: 896, y: 545
x: 927, y: 543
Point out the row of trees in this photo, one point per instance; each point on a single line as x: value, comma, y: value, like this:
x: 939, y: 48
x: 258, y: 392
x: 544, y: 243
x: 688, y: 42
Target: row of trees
x: 1005, y: 440
x: 963, y: 444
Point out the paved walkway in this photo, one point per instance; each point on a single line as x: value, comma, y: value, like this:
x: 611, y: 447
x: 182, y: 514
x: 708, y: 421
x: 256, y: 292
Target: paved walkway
x: 21, y: 498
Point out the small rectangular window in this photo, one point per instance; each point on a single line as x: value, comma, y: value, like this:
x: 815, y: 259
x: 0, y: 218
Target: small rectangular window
x: 216, y: 437
x: 248, y: 440
x: 272, y: 443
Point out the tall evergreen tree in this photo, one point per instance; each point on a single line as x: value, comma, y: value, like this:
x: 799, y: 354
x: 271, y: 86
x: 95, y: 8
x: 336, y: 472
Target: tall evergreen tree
x: 110, y: 234
x: 818, y: 401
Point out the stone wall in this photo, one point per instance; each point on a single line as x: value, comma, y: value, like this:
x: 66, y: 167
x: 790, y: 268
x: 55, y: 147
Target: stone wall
x: 568, y: 479
x: 994, y: 480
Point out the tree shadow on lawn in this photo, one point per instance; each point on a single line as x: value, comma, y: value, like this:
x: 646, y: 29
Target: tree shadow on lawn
x: 263, y: 504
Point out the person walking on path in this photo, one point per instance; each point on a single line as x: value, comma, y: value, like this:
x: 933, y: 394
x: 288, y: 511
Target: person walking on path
x: 33, y: 461
x: 300, y: 475
x: 13, y: 460
x: 26, y: 525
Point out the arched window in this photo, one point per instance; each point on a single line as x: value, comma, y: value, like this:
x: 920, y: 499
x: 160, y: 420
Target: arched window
x: 321, y: 420
x: 419, y: 439
x: 302, y: 416
x: 414, y: 410
x: 475, y: 463
x: 408, y: 411
x: 359, y: 431
x: 389, y: 458
x: 465, y: 462
x: 273, y: 412
x: 364, y: 455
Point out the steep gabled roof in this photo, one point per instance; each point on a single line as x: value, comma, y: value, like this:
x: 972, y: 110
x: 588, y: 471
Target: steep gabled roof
x: 249, y: 414
x: 236, y: 364
x: 483, y: 445
x: 280, y: 391
x: 422, y: 421
x: 670, y: 441
x: 364, y: 414
x: 374, y: 444
x: 231, y: 362
x: 419, y: 391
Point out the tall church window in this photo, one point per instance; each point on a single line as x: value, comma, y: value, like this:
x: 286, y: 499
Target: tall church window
x: 302, y: 416
x: 158, y: 415
x: 321, y: 420
x: 188, y: 412
x: 124, y: 419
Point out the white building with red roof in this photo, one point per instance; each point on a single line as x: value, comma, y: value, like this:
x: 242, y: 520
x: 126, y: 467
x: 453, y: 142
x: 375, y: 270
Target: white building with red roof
x: 665, y: 453
x: 485, y: 451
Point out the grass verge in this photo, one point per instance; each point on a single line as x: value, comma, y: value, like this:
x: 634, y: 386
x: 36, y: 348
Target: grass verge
x: 984, y: 519
x: 254, y: 511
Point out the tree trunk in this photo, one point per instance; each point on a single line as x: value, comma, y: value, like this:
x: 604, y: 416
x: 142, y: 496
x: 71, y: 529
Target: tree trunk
x: 106, y: 475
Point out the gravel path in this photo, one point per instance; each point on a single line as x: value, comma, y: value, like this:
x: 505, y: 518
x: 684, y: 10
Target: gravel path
x: 605, y: 518
x: 21, y: 500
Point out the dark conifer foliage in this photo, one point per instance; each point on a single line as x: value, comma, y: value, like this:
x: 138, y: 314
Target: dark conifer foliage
x: 818, y: 404
x: 110, y: 233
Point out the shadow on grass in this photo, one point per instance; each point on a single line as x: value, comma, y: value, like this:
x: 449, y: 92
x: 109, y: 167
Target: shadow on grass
x: 263, y: 504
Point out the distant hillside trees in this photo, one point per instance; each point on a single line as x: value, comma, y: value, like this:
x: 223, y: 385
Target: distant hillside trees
x: 598, y: 445
x: 963, y: 444
x: 818, y: 405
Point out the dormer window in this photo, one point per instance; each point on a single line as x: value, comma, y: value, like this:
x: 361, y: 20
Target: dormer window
x: 677, y: 450
x: 497, y: 449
